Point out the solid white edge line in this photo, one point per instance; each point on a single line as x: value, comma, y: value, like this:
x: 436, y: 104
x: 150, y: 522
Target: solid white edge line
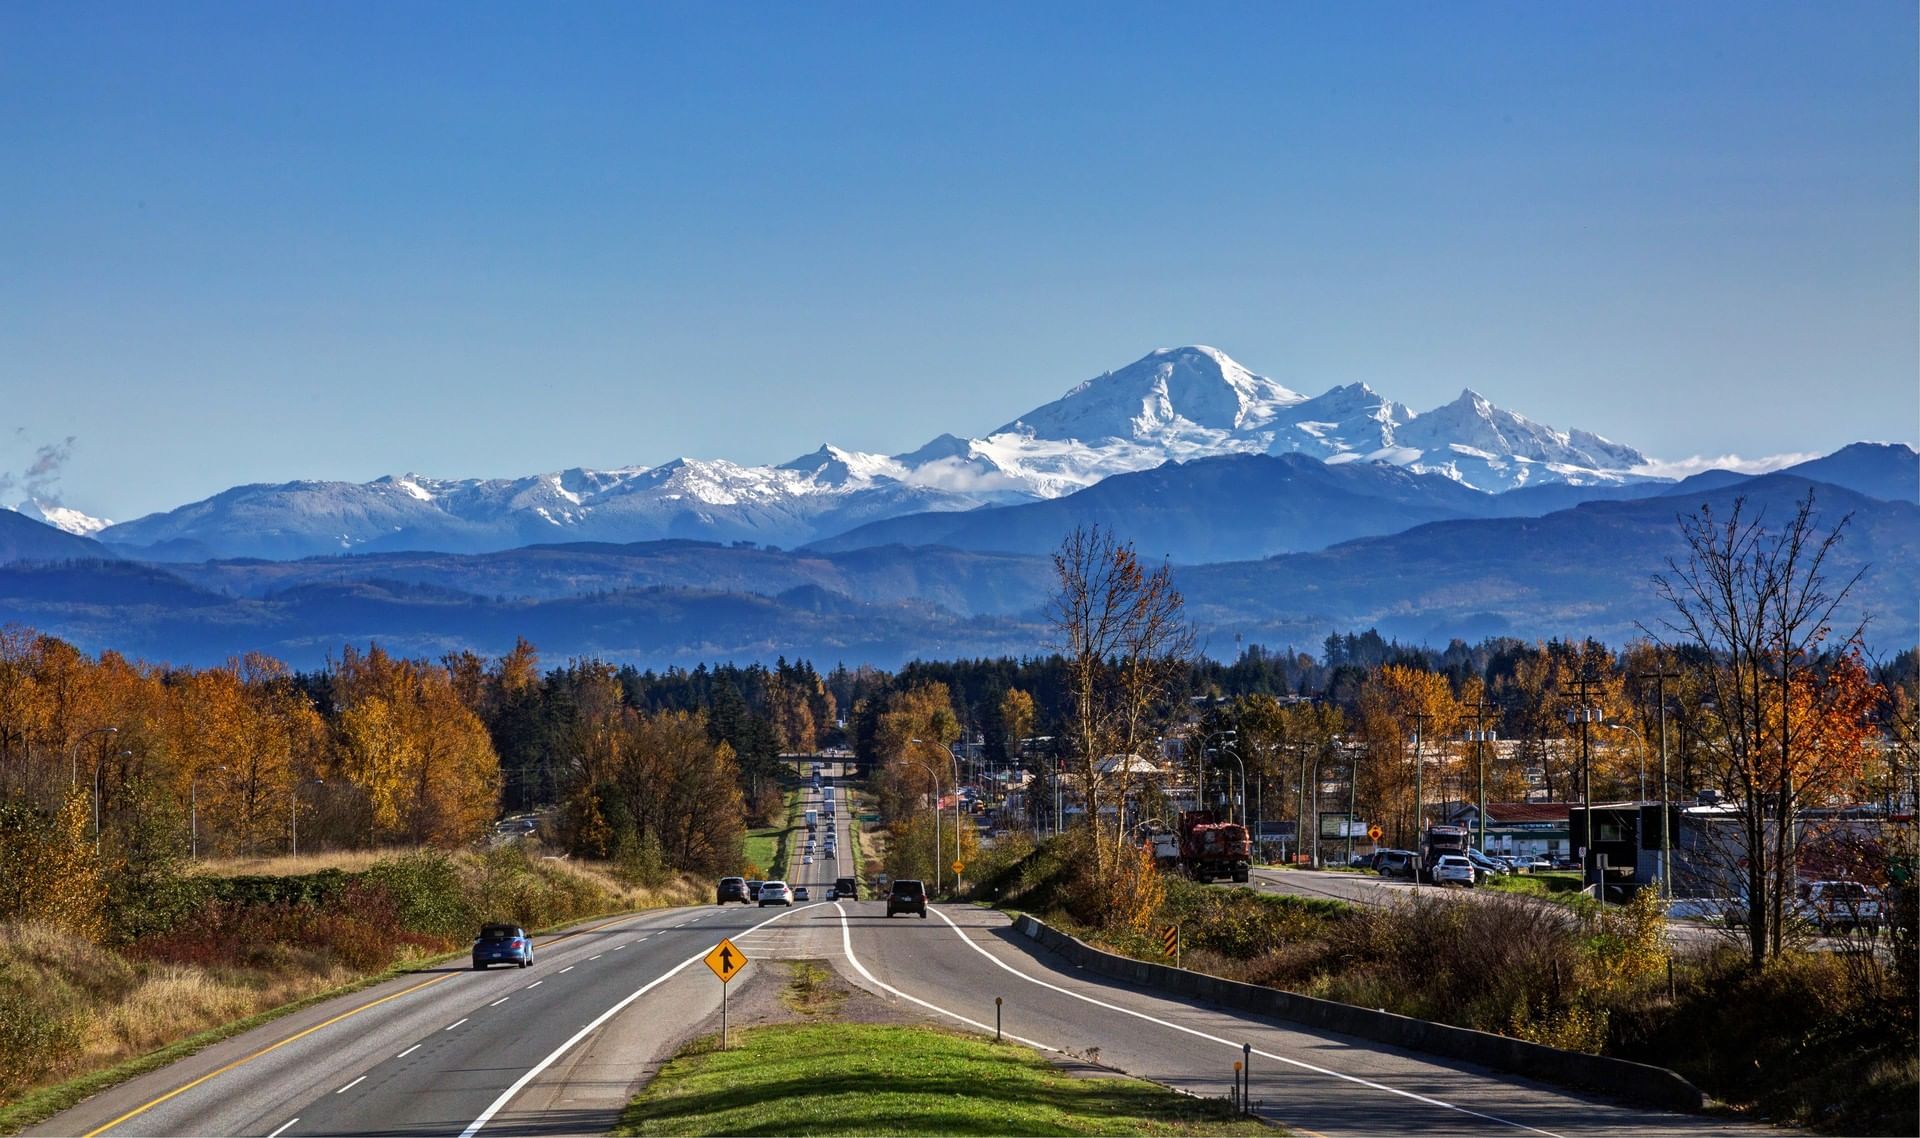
x: 284, y: 1128
x: 846, y: 944
x: 350, y: 1086
x: 533, y: 1073
x: 402, y: 1055
x: 968, y: 941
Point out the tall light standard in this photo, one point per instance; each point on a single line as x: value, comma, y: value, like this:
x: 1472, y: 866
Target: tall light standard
x: 293, y: 814
x: 73, y: 752
x: 97, y: 768
x: 193, y: 813
x: 1660, y: 679
x: 1480, y: 735
x: 1200, y: 767
x: 1419, y: 778
x: 1585, y: 714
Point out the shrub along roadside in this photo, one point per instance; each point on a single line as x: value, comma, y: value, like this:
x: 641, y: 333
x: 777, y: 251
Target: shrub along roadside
x: 77, y: 1015
x: 1819, y: 1039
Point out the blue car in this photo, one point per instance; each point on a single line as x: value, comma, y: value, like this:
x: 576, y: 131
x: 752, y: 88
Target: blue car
x: 502, y: 944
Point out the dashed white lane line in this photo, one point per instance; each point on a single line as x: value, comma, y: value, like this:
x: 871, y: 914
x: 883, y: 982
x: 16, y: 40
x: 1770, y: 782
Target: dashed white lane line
x: 535, y: 984
x: 533, y: 1073
x: 403, y: 1054
x: 997, y: 962
x: 618, y: 947
x: 288, y: 1125
x: 455, y: 1024
x: 846, y: 943
x: 596, y: 956
x: 566, y: 970
x: 498, y: 1002
x: 350, y: 1086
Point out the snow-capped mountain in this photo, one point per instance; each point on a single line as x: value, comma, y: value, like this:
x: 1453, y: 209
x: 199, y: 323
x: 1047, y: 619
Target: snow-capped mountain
x: 63, y: 518
x: 1173, y: 404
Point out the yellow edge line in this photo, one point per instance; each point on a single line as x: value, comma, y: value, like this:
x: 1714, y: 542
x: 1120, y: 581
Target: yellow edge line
x: 142, y: 1109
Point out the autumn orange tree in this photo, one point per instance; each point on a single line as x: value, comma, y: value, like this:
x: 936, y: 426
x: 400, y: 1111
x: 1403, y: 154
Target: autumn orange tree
x: 1757, y: 604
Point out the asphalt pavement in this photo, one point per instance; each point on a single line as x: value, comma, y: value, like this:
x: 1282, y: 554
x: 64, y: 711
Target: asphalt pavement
x: 559, y: 1047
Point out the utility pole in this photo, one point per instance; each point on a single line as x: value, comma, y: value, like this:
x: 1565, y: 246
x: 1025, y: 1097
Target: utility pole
x: 1420, y: 719
x: 1482, y: 711
x: 1660, y: 679
x: 1353, y: 779
x: 1584, y: 714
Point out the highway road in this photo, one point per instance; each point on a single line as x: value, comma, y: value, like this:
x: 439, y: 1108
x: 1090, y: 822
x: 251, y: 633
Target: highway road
x: 1370, y: 889
x: 559, y: 1047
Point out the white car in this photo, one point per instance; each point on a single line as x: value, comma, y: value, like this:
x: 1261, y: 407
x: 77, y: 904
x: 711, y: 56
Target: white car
x: 775, y: 893
x: 807, y: 860
x: 1451, y: 869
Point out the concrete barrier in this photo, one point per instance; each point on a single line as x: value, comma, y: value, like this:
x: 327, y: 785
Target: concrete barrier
x: 1637, y: 1082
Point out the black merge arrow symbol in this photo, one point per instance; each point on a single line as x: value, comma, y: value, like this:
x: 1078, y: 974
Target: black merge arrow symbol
x: 726, y: 960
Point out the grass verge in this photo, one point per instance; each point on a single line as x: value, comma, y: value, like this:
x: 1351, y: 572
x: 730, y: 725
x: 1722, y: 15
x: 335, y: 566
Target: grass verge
x: 875, y: 1079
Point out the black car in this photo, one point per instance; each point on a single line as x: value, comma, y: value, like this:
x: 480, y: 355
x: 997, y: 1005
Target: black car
x: 502, y: 944
x: 907, y: 896
x: 845, y: 887
x: 732, y: 889
x: 753, y: 889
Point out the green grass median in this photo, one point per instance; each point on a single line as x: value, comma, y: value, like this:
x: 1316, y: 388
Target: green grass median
x: 841, y: 1078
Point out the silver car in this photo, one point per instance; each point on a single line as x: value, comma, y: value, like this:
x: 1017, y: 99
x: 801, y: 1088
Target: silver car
x: 775, y: 893
x: 1451, y: 869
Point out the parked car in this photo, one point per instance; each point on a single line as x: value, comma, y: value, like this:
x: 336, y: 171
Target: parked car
x: 753, y: 889
x: 800, y: 893
x: 845, y: 888
x: 1452, y: 869
x: 1360, y: 861
x: 732, y: 889
x: 907, y: 896
x: 502, y: 944
x: 1485, y: 866
x: 1841, y: 905
x: 775, y: 893
x: 1396, y: 863
x: 1538, y: 865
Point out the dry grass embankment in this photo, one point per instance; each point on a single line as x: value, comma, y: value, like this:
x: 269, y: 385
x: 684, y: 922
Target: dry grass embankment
x: 244, y: 945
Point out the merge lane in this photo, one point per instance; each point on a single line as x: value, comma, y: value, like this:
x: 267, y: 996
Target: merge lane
x: 1361, y: 1088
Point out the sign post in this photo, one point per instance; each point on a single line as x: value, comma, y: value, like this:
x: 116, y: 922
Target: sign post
x: 726, y: 960
x: 958, y: 882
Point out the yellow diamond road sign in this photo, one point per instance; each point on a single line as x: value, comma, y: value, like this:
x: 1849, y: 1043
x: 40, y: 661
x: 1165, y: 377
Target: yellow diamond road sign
x: 726, y: 960
x: 958, y: 866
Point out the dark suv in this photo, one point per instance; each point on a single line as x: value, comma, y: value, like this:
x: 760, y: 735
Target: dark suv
x: 502, y: 944
x: 907, y: 897
x: 846, y: 887
x: 732, y: 889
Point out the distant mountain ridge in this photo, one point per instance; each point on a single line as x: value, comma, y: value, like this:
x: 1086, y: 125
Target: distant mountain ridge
x: 1583, y: 571
x: 1173, y: 404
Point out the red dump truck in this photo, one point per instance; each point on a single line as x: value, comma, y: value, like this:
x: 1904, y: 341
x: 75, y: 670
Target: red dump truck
x: 1205, y: 847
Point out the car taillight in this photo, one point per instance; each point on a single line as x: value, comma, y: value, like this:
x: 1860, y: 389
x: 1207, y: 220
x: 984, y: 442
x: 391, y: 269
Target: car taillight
x: 519, y: 944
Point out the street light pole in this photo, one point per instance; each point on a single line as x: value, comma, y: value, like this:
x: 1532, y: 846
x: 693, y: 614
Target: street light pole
x: 293, y: 814
x: 1660, y: 679
x: 1481, y: 736
x: 193, y: 814
x: 73, y: 752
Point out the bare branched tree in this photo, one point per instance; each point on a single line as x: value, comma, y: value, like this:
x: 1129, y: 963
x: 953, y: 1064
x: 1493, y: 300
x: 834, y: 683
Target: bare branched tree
x: 1761, y: 606
x: 1123, y: 633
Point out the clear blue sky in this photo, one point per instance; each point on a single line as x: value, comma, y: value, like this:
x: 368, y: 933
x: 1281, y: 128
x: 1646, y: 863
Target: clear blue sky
x: 267, y: 241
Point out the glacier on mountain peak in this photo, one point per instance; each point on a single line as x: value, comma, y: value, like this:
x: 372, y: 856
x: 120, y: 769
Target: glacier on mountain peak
x: 1173, y: 404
